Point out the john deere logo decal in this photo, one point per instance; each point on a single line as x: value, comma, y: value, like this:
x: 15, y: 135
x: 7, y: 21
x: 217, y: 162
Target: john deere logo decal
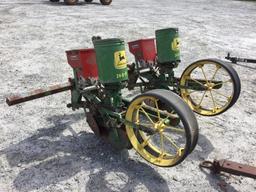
x: 176, y: 44
x: 120, y: 60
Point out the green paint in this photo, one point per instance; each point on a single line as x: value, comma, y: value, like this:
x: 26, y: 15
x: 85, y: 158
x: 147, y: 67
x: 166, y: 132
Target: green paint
x: 111, y: 60
x: 167, y: 41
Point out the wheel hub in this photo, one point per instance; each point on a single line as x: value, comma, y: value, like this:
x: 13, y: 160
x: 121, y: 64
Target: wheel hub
x: 209, y: 86
x: 160, y: 126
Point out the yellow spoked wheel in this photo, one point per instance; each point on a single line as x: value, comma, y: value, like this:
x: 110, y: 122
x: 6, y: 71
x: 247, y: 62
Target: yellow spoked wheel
x: 161, y: 127
x: 210, y: 86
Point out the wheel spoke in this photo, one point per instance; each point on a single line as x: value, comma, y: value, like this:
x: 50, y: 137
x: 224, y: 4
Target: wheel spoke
x: 144, y: 124
x: 162, y: 144
x: 151, y: 115
x: 204, y: 74
x: 147, y: 115
x: 137, y: 120
x: 171, y: 141
x: 228, y: 97
x: 188, y: 93
x: 214, y: 103
x: 158, y: 113
x: 192, y: 92
x: 163, y: 120
x: 145, y: 142
x: 162, y: 112
x: 197, y: 82
x: 175, y: 129
x: 230, y: 80
x: 217, y: 69
x: 198, y: 105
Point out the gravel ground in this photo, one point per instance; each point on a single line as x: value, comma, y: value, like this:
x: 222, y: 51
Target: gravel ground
x: 46, y: 147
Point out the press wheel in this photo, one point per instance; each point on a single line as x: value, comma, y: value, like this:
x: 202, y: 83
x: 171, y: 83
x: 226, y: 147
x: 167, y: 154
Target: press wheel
x: 210, y: 86
x: 165, y: 130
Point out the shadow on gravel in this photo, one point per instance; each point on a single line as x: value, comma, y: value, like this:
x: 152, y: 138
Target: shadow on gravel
x: 218, y: 182
x: 203, y: 149
x: 57, y: 153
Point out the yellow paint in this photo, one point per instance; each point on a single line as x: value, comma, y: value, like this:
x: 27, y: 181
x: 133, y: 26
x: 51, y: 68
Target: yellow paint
x: 176, y: 44
x: 120, y: 60
x: 164, y: 158
x: 189, y: 74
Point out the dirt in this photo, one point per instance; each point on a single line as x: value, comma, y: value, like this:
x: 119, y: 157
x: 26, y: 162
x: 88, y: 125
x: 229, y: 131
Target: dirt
x: 45, y: 146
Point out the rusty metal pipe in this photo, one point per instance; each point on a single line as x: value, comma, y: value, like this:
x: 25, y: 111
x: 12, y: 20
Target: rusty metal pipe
x: 38, y: 93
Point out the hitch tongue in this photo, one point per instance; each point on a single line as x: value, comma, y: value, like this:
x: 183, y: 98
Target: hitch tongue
x: 21, y: 98
x: 231, y: 167
x: 238, y: 59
